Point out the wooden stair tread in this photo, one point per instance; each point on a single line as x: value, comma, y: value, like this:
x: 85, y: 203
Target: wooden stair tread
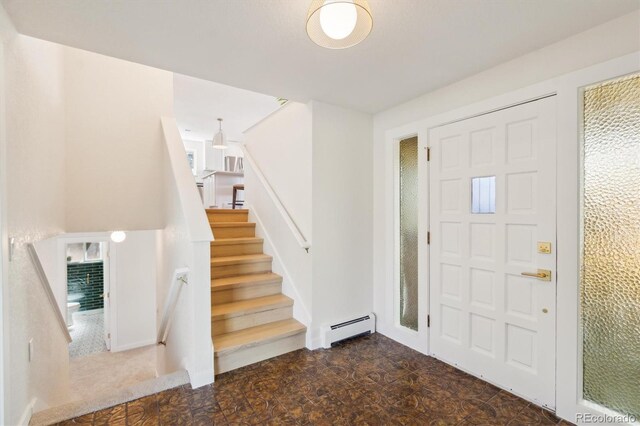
x: 249, y: 306
x: 242, y: 240
x: 240, y: 259
x: 255, y: 336
x: 233, y: 224
x: 251, y: 320
x: 244, y: 281
x: 227, y: 211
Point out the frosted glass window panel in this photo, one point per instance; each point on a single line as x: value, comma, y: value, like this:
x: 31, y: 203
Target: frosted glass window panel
x: 409, y: 233
x: 75, y: 252
x: 94, y: 251
x: 610, y: 270
x: 483, y: 195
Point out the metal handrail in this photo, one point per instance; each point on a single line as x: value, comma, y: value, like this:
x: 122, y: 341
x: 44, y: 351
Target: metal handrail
x: 295, y: 229
x: 179, y: 280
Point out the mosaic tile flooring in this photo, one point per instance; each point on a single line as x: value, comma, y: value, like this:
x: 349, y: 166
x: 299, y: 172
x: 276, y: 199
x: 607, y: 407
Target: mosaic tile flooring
x: 367, y: 381
x: 87, y: 334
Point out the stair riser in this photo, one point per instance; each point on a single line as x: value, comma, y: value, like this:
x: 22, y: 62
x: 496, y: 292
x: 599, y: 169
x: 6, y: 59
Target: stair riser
x: 250, y: 320
x: 234, y: 232
x: 253, y: 354
x: 240, y: 269
x: 228, y: 217
x: 236, y: 249
x: 243, y: 293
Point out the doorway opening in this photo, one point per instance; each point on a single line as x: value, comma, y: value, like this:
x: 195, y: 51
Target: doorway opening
x: 87, y: 298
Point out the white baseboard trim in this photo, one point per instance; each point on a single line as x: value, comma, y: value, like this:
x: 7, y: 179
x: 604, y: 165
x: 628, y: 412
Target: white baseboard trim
x: 401, y: 337
x: 201, y: 378
x: 27, y: 413
x: 135, y: 345
x: 313, y: 344
x: 314, y: 338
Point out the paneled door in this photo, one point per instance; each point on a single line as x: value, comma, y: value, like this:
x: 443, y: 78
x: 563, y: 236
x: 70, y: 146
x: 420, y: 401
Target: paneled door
x: 493, y: 234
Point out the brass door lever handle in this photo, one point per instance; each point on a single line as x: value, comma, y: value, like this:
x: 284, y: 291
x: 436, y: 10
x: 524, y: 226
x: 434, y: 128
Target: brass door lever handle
x: 542, y: 274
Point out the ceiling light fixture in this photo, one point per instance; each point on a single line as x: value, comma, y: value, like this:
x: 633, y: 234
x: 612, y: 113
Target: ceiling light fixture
x: 220, y: 140
x: 118, y: 236
x: 338, y: 24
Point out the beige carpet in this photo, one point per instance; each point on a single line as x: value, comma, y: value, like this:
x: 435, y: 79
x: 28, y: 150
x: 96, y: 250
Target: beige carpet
x: 102, y: 372
x: 109, y: 378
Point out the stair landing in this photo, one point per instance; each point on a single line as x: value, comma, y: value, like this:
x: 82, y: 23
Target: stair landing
x: 251, y: 320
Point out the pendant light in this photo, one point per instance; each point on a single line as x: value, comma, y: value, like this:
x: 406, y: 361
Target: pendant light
x: 220, y: 139
x: 338, y: 24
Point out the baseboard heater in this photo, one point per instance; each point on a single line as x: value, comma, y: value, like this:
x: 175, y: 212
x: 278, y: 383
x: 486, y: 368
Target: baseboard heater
x: 362, y: 326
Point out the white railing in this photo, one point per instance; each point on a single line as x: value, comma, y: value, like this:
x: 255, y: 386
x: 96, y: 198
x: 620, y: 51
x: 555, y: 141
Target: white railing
x: 295, y: 229
x: 180, y: 279
x: 47, y: 289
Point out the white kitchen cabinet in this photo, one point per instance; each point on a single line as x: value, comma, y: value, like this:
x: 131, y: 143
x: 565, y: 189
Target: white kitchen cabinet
x: 218, y: 188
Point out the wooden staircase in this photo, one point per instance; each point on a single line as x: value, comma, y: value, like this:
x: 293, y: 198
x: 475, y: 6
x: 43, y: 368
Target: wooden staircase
x: 251, y: 320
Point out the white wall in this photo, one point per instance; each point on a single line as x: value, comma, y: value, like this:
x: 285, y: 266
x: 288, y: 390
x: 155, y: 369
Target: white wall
x: 234, y: 149
x: 290, y: 260
x: 7, y: 32
x: 610, y: 40
x: 35, y: 147
x: 317, y: 155
x: 342, y: 199
x: 184, y: 242
x: 198, y: 147
x: 281, y: 145
x: 114, y: 142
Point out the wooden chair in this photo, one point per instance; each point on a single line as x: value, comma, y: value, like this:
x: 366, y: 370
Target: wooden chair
x: 236, y: 188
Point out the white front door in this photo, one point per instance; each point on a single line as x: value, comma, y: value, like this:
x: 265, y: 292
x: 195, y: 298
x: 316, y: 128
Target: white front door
x: 492, y: 200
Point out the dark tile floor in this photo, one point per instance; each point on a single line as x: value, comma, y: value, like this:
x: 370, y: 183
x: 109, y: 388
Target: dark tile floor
x: 367, y: 381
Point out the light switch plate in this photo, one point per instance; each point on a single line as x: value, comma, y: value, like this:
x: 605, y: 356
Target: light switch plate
x: 31, y: 349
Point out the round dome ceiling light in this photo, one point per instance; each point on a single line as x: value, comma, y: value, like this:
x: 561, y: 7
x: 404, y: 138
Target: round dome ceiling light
x: 338, y: 24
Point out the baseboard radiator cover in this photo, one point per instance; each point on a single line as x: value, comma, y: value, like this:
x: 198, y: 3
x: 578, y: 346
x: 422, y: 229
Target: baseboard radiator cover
x: 362, y: 326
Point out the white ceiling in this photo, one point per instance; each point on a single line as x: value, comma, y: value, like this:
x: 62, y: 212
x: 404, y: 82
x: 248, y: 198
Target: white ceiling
x: 416, y: 45
x: 198, y: 103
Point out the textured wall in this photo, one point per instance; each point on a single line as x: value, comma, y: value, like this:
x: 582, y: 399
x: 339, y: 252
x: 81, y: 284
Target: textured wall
x: 34, y: 74
x: 114, y: 142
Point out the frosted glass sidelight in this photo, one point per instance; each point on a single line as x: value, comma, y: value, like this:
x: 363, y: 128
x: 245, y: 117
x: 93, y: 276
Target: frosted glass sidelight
x: 610, y: 270
x: 483, y: 195
x: 409, y: 233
